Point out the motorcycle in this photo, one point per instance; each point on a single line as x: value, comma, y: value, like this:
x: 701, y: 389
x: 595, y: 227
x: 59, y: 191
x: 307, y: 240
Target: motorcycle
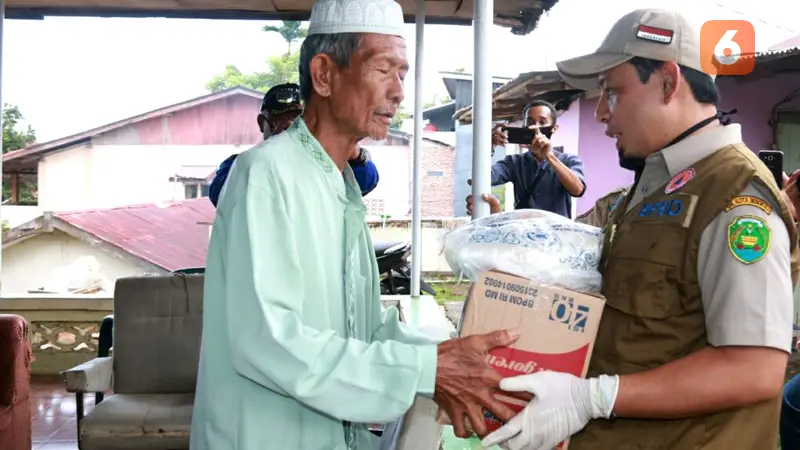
x: 395, y: 267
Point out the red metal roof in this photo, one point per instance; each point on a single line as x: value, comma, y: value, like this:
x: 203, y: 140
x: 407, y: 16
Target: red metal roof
x: 165, y: 234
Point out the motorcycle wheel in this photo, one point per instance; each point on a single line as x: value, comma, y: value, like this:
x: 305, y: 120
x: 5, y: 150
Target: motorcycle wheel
x: 402, y: 285
x: 397, y: 289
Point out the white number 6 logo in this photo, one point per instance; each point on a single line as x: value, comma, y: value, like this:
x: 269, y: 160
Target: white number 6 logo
x: 727, y: 43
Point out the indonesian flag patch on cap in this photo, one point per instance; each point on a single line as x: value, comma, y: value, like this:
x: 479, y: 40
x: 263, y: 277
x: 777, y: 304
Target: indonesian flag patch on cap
x: 659, y: 35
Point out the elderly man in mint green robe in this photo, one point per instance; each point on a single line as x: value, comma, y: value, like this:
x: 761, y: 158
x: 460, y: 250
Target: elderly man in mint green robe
x: 297, y: 352
x: 277, y: 239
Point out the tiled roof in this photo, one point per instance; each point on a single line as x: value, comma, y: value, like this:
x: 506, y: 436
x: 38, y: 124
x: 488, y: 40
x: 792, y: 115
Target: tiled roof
x: 169, y: 235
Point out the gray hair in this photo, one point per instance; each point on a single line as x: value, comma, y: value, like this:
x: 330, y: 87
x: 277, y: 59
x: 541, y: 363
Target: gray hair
x: 339, y: 47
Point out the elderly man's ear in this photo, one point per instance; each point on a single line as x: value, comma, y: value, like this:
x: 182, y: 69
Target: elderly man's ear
x: 322, y: 68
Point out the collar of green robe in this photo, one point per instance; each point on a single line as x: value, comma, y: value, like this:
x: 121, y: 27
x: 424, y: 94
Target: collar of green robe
x: 344, y: 182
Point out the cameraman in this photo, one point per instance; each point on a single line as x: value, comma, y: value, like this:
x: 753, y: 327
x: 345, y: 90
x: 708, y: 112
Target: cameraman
x: 543, y: 177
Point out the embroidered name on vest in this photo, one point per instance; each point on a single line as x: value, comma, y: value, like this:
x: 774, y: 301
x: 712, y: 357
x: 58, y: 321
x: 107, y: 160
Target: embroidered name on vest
x: 749, y: 200
x: 678, y: 208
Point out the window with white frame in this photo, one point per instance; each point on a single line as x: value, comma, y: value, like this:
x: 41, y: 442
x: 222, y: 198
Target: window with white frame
x: 195, y: 190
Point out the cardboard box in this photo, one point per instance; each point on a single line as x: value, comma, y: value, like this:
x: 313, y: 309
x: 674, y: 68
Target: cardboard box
x: 557, y: 328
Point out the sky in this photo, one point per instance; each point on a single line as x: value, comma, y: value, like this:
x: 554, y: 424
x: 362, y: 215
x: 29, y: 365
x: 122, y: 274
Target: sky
x: 71, y: 74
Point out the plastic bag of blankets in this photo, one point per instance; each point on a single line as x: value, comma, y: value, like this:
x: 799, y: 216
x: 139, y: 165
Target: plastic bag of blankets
x: 535, y: 244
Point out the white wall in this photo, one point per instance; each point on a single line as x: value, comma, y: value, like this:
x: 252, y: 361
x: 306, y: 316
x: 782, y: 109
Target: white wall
x: 104, y: 176
x: 395, y: 178
x: 32, y: 263
x: 16, y: 215
x: 433, y: 232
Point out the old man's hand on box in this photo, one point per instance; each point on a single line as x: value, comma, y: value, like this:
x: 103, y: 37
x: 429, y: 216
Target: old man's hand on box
x: 465, y: 382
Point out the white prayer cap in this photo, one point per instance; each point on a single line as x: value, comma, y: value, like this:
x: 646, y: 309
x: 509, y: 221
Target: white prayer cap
x: 356, y: 16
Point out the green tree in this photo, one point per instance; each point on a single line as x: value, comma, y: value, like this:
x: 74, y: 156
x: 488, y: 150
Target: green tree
x: 14, y: 138
x: 437, y: 101
x: 399, y: 117
x: 290, y: 31
x: 280, y: 69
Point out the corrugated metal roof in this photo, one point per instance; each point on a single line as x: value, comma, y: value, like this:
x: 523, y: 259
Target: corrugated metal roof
x: 519, y: 15
x: 508, y: 100
x: 777, y: 54
x: 170, y: 235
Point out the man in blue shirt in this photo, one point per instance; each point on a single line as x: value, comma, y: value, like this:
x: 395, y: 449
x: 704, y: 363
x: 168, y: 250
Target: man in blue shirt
x: 279, y: 109
x: 544, y: 177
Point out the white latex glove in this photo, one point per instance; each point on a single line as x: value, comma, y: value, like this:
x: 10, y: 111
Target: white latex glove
x: 562, y: 405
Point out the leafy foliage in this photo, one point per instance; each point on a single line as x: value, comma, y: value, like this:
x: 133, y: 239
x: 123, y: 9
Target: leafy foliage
x: 399, y: 117
x: 15, y: 138
x: 437, y: 101
x: 290, y: 31
x: 279, y: 70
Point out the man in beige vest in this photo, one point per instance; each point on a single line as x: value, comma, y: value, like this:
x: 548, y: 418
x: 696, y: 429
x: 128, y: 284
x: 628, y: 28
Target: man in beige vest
x: 699, y: 265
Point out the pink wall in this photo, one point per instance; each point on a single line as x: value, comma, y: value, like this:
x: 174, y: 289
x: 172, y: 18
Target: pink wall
x: 600, y: 159
x: 754, y: 100
x: 568, y: 131
x: 228, y: 121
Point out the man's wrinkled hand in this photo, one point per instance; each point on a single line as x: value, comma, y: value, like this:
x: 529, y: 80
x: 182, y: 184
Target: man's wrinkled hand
x: 791, y: 194
x: 562, y: 405
x: 499, y: 137
x: 465, y: 382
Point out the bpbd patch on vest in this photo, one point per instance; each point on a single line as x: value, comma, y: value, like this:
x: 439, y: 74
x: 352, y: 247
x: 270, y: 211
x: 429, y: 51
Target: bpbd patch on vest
x: 749, y: 238
x: 749, y: 200
x: 662, y: 208
x: 679, y: 180
x: 676, y: 209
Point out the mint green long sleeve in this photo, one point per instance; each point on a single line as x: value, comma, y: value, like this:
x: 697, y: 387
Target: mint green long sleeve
x: 295, y: 340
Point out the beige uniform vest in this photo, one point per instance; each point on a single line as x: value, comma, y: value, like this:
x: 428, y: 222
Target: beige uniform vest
x: 654, y: 313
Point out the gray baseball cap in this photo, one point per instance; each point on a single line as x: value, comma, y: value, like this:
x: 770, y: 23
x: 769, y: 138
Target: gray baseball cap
x: 657, y: 34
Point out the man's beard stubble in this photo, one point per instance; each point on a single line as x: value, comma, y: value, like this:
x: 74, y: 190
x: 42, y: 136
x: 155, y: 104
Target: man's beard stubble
x: 633, y: 164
